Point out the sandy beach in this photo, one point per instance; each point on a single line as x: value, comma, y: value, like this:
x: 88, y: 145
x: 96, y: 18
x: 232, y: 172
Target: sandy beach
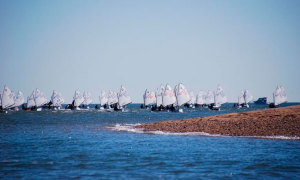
x: 269, y: 122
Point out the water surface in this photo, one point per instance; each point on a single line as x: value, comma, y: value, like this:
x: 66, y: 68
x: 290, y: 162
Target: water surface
x: 69, y: 144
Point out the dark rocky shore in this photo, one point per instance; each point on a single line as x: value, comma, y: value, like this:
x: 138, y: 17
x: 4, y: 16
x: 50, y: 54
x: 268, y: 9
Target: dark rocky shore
x: 269, y: 122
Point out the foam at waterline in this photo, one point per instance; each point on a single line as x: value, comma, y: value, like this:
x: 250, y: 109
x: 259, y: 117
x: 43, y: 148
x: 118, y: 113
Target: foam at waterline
x: 131, y: 128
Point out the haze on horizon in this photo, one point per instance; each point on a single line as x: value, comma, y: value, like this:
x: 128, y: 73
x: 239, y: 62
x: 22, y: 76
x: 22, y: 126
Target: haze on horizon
x: 99, y: 45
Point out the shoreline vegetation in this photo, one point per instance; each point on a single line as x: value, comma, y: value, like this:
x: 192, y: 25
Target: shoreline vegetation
x: 283, y: 121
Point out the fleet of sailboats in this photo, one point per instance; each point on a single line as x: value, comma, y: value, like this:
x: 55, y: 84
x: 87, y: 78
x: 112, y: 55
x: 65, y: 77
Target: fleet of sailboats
x: 163, y: 99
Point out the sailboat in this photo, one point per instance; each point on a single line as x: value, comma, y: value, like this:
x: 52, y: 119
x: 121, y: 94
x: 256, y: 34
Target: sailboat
x: 112, y: 100
x: 123, y: 99
x: 200, y: 99
x: 182, y: 96
x: 168, y: 98
x: 30, y: 102
x: 40, y: 99
x: 244, y: 99
x: 77, y: 100
x: 219, y: 99
x: 103, y: 100
x: 279, y: 97
x: 19, y: 100
x: 191, y: 103
x: 36, y: 101
x: 149, y: 99
x: 159, y: 99
x: 56, y: 100
x: 87, y: 100
x: 209, y: 98
x: 241, y: 100
x: 7, y: 99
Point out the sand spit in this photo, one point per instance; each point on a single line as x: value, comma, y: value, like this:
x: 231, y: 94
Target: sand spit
x: 263, y: 123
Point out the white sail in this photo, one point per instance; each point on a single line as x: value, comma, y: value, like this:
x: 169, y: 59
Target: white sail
x: 30, y: 100
x: 279, y: 95
x: 78, y: 98
x: 54, y: 94
x: 159, y: 95
x: 39, y: 98
x: 112, y: 98
x: 241, y: 98
x: 182, y: 95
x: 57, y: 99
x: 168, y: 97
x: 193, y: 99
x: 123, y: 98
x: 248, y: 96
x: 0, y: 99
x: 209, y: 98
x: 87, y: 98
x: 19, y: 99
x: 149, y: 98
x: 200, y: 99
x: 103, y: 98
x: 7, y: 98
x: 220, y: 97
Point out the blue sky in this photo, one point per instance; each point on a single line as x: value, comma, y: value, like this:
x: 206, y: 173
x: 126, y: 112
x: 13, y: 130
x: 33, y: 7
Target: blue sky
x: 95, y: 45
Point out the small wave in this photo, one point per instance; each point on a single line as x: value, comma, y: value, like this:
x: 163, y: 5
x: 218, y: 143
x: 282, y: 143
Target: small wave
x: 9, y: 161
x: 131, y: 128
x: 126, y: 127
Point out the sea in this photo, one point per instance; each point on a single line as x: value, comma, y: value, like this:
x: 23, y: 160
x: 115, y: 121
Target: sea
x: 90, y: 144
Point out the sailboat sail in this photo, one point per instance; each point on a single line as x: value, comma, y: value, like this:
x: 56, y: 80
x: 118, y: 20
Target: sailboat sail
x: 78, y: 98
x: 30, y: 100
x: 209, y: 98
x: 112, y: 98
x: 220, y: 97
x: 87, y: 98
x: 57, y: 99
x: 248, y: 96
x: 193, y: 99
x: 7, y: 98
x: 182, y: 95
x: 279, y: 95
x: 149, y: 98
x: 200, y: 99
x: 19, y: 99
x: 123, y: 98
x: 103, y: 98
x: 168, y: 96
x: 241, y: 99
x: 39, y: 98
x: 159, y: 95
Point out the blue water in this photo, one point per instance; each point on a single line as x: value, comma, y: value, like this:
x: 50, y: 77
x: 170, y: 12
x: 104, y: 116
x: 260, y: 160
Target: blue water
x: 68, y: 144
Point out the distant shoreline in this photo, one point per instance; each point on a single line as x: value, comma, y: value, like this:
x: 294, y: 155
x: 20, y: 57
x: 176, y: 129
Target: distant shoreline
x: 283, y: 121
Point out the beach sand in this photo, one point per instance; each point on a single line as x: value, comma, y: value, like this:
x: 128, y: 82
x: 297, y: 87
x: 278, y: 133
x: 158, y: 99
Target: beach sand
x: 269, y: 122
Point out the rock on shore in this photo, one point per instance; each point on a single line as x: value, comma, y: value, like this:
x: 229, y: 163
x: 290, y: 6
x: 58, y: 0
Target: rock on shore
x: 269, y: 122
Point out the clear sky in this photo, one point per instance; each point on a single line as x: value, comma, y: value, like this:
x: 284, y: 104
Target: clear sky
x: 95, y: 45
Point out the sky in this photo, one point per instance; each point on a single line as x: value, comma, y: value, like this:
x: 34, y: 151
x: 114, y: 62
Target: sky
x: 96, y: 45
